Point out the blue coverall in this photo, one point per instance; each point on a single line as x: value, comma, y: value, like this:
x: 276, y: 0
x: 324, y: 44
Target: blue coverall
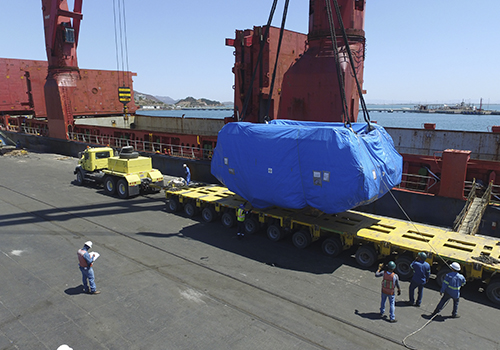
x: 452, y: 283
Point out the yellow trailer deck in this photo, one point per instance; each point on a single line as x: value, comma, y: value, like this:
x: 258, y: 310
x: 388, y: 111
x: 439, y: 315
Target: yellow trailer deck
x: 375, y: 236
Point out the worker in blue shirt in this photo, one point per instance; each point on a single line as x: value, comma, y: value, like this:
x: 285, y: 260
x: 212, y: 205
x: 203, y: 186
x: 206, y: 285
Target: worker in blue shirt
x: 450, y: 289
x: 390, y: 281
x: 187, y: 173
x: 421, y: 274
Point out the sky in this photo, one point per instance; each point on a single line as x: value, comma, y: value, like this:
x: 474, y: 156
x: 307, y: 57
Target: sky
x: 426, y: 51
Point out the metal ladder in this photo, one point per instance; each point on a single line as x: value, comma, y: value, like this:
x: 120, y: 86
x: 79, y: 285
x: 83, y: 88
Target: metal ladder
x: 469, y: 219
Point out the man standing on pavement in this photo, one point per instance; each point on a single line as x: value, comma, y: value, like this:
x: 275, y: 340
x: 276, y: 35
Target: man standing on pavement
x: 85, y: 261
x: 390, y: 281
x: 450, y: 288
x: 240, y: 216
x: 421, y: 274
x: 187, y: 174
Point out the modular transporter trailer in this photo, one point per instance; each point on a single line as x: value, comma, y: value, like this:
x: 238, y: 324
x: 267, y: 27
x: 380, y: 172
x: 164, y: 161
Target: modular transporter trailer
x: 376, y: 237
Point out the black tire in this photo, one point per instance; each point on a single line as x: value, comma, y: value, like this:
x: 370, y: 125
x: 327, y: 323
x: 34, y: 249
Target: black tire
x: 275, y: 233
x: 109, y: 185
x: 132, y: 155
x: 301, y: 239
x: 332, y: 246
x: 366, y: 256
x: 441, y: 274
x: 228, y: 219
x: 403, y: 267
x: 122, y: 188
x: 173, y: 205
x: 79, y: 177
x: 493, y: 291
x: 190, y: 209
x: 251, y: 226
x: 208, y: 214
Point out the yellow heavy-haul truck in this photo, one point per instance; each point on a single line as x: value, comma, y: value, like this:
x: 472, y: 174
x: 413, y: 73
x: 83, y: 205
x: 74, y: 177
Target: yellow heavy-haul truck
x: 126, y: 174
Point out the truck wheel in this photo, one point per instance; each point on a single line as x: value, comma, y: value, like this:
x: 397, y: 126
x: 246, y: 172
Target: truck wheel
x: 403, y: 267
x: 190, y: 209
x: 228, y: 220
x: 493, y: 291
x: 251, y: 226
x: 122, y: 188
x: 173, y: 205
x: 208, y: 214
x: 366, y: 256
x: 441, y: 274
x: 274, y: 233
x: 301, y: 239
x: 79, y: 177
x: 109, y: 185
x: 332, y: 246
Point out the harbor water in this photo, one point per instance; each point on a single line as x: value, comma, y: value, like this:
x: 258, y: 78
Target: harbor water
x: 397, y: 118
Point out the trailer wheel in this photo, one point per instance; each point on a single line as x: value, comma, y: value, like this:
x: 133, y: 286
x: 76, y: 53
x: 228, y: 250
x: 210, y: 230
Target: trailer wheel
x: 228, y: 220
x: 173, y: 204
x: 403, y: 267
x: 208, y: 214
x: 79, y: 177
x: 109, y: 185
x: 332, y: 246
x: 493, y: 291
x: 366, y: 256
x: 441, y: 274
x: 251, y: 226
x: 122, y: 188
x: 190, y: 209
x: 275, y: 233
x: 301, y: 239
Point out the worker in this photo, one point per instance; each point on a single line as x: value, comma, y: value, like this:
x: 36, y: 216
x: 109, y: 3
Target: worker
x: 240, y: 215
x: 390, y: 281
x: 421, y: 273
x: 85, y: 261
x: 187, y: 173
x: 450, y: 288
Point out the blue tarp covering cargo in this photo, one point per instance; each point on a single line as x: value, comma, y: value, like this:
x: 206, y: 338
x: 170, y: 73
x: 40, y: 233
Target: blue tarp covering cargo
x: 294, y: 164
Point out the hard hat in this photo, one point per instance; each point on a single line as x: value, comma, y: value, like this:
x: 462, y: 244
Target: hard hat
x: 391, y: 265
x: 455, y: 266
x: 242, y: 206
x: 184, y: 165
x: 64, y: 347
x: 88, y: 244
x: 422, y: 255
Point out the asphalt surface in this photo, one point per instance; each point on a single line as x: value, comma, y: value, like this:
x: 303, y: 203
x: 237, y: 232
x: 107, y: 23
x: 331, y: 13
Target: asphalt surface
x: 171, y: 282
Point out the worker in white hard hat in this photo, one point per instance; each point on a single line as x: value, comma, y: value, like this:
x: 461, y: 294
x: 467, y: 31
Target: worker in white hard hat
x: 85, y: 261
x: 450, y: 289
x: 187, y: 173
x: 421, y: 273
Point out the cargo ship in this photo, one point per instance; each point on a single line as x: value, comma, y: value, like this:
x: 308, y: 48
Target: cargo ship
x: 54, y: 105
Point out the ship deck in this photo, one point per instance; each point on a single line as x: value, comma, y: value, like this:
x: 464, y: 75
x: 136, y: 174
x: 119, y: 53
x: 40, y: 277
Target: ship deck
x: 171, y: 282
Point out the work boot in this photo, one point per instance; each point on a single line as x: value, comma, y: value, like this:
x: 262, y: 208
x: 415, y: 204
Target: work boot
x: 95, y: 292
x: 393, y: 320
x: 455, y: 316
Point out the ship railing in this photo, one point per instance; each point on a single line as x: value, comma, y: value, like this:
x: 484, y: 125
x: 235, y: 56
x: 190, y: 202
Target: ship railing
x: 418, y: 183
x: 141, y: 145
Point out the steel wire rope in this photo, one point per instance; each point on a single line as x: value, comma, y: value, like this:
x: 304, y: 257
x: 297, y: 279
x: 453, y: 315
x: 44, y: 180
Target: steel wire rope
x: 340, y: 75
x: 283, y: 20
x: 116, y: 43
x: 259, y: 61
x: 348, y: 48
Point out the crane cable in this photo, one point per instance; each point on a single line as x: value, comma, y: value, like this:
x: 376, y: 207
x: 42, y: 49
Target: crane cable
x: 259, y: 61
x: 282, y: 29
x: 340, y: 74
x: 121, y: 47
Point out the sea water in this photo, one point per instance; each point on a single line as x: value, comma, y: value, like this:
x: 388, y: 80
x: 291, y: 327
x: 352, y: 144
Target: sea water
x: 397, y: 119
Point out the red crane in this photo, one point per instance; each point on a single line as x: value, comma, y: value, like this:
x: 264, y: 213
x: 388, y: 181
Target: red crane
x: 62, y: 29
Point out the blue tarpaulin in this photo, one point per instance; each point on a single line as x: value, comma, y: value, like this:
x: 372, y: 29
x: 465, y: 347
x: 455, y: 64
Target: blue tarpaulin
x: 293, y: 164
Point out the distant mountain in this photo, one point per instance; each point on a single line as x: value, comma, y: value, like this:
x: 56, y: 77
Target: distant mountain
x: 202, y: 102
x: 167, y: 99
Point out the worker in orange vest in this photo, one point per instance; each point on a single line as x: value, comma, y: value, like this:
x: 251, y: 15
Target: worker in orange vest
x: 390, y: 281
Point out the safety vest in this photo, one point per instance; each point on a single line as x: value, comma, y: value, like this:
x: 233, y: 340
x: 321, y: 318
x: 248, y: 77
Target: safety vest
x: 240, y: 213
x: 388, y: 283
x: 81, y: 259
